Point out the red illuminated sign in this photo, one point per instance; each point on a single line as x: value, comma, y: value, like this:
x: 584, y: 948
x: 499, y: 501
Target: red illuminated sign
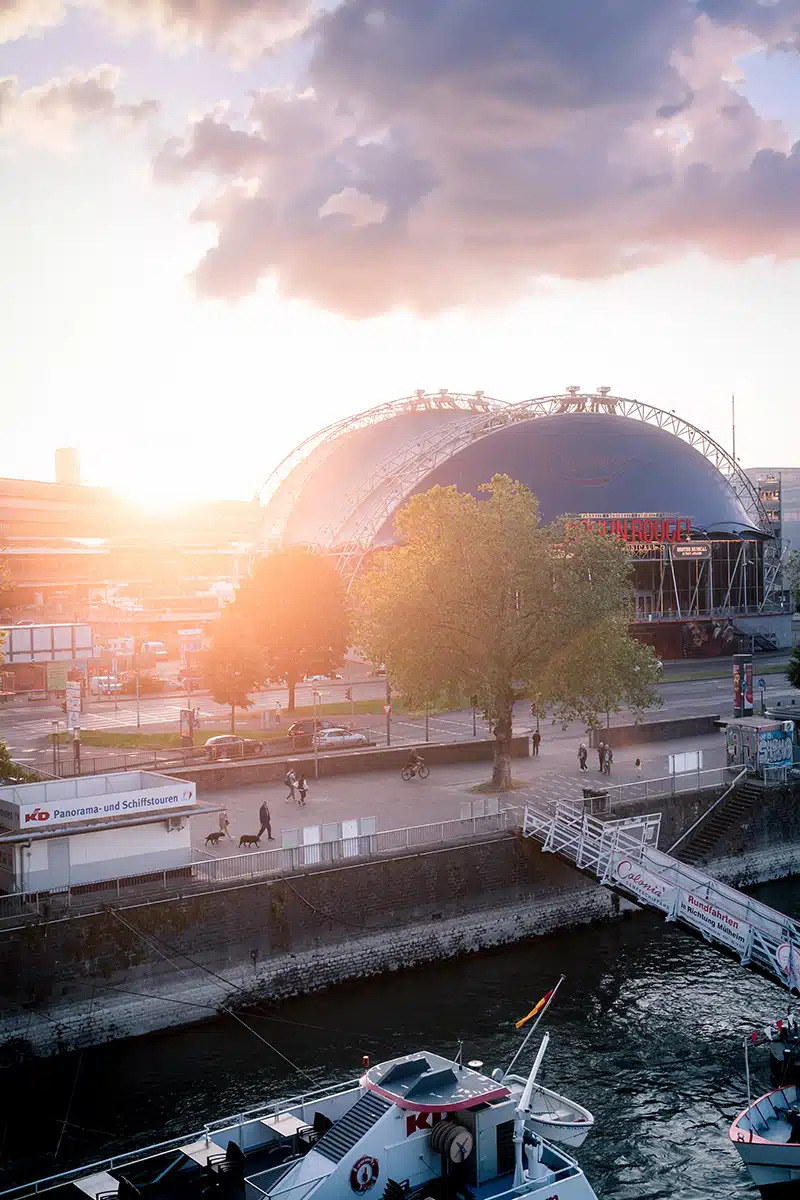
x: 640, y: 529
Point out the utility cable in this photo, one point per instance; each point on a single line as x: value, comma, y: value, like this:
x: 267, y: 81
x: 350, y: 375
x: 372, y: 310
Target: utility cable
x: 223, y: 1007
x: 74, y: 1087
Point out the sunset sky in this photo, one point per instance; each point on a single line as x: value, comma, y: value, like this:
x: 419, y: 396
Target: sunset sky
x: 224, y: 223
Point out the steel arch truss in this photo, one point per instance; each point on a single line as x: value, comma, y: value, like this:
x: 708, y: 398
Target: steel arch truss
x: 279, y: 493
x: 396, y: 477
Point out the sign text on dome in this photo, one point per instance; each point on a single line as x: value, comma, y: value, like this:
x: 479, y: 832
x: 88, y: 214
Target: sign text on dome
x: 641, y: 527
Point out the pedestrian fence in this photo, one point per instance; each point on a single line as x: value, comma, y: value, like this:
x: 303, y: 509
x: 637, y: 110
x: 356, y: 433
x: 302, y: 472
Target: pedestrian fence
x: 206, y: 870
x: 663, y: 787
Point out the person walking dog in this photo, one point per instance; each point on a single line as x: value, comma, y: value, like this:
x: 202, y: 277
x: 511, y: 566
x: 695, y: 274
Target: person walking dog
x: 264, y: 818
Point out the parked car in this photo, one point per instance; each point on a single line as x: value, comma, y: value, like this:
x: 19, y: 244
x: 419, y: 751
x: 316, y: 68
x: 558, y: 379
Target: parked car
x: 302, y: 732
x: 105, y: 685
x: 228, y: 745
x: 341, y: 739
x: 157, y: 649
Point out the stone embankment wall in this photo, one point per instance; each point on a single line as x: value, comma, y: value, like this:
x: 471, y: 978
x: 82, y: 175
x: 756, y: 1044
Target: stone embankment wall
x: 147, y: 966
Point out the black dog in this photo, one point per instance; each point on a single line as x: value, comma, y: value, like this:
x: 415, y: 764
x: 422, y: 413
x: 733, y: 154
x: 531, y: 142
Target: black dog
x: 215, y: 837
x: 249, y: 839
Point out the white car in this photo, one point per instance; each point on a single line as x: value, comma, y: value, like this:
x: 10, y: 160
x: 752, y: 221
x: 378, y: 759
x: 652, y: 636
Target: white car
x: 105, y: 685
x: 341, y: 739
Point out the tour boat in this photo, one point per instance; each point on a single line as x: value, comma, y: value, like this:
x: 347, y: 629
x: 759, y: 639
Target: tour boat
x: 421, y: 1127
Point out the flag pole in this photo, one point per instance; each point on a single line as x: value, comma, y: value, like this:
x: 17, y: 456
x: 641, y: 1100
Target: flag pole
x: 532, y: 1029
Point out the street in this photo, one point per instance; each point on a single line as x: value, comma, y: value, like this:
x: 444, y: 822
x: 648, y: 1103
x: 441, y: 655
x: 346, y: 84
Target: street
x: 25, y: 725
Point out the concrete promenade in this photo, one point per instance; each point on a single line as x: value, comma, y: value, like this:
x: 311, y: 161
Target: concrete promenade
x: 395, y: 804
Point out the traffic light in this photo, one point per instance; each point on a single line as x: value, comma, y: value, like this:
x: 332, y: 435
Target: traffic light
x: 348, y: 692
x: 533, y: 708
x: 63, y: 706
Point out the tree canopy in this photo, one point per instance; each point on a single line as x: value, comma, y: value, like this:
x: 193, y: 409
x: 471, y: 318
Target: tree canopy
x: 793, y: 669
x: 291, y: 613
x: 232, y: 668
x: 481, y: 599
x: 793, y: 576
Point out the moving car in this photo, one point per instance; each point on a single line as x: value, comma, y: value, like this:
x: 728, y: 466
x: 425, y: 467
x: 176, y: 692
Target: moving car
x: 228, y: 745
x: 341, y: 739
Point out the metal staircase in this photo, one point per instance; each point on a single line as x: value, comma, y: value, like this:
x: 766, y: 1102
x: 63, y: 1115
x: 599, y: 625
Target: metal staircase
x: 623, y: 855
x: 733, y: 811
x: 350, y: 1128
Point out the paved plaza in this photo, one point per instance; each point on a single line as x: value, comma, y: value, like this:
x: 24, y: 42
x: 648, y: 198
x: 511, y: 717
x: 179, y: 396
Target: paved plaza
x: 395, y: 804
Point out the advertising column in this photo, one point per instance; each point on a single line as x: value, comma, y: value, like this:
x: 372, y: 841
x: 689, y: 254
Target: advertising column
x: 742, y: 685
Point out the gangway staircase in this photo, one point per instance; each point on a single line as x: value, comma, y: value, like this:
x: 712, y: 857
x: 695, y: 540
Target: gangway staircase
x: 623, y: 855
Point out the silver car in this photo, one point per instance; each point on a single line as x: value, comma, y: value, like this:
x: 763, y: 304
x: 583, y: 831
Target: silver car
x: 341, y: 739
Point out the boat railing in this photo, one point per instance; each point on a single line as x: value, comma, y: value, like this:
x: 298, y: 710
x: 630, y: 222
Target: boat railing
x: 270, y: 1107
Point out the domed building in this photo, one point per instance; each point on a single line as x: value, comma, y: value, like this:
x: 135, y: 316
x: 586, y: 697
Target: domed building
x: 691, y: 519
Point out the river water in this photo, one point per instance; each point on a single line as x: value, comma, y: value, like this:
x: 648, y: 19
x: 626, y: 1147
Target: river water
x: 646, y: 1032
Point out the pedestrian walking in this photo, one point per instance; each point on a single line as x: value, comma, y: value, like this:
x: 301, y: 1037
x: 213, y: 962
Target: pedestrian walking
x: 583, y: 754
x: 290, y: 779
x: 302, y: 789
x: 608, y: 758
x: 638, y: 765
x: 266, y: 823
x: 224, y: 824
x: 601, y: 750
x: 537, y: 737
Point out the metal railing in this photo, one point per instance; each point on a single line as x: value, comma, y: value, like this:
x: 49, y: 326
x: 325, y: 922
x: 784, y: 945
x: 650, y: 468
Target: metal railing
x: 664, y: 786
x: 270, y: 1107
x: 77, y: 898
x: 708, y: 811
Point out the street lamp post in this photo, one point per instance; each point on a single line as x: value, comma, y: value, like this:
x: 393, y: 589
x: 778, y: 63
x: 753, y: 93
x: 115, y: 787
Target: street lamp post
x: 55, y: 748
x: 315, y: 697
x: 138, y: 722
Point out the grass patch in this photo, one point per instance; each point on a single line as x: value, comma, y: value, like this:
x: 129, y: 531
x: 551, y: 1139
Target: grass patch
x: 491, y: 789
x: 722, y: 672
x: 157, y: 741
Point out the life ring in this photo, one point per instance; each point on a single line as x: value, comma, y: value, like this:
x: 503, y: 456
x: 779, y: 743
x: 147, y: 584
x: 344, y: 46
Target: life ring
x: 364, y: 1174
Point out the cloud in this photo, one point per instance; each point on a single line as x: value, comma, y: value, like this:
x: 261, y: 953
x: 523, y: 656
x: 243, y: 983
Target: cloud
x: 22, y: 18
x: 243, y: 28
x: 50, y: 112
x: 450, y: 152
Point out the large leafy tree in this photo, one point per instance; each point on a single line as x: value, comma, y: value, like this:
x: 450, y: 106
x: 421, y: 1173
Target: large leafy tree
x: 793, y: 576
x: 292, y: 612
x: 232, y: 668
x: 481, y: 599
x: 793, y: 669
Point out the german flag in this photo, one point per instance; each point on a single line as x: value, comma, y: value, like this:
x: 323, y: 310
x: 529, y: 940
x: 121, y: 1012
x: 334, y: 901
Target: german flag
x: 535, y: 1010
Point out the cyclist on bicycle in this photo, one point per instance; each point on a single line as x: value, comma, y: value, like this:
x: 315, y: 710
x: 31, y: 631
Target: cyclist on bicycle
x: 414, y: 761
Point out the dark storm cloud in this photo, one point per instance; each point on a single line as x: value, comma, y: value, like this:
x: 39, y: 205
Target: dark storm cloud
x: 448, y: 152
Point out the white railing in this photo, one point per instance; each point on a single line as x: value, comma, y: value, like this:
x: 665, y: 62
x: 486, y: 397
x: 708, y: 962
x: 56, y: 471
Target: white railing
x: 257, y: 864
x: 271, y: 1107
x: 623, y: 855
x: 664, y: 786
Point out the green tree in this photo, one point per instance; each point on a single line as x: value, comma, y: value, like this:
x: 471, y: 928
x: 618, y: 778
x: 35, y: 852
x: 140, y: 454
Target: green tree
x: 232, y: 668
x: 481, y: 599
x: 792, y: 576
x: 793, y: 669
x: 10, y: 772
x: 292, y: 612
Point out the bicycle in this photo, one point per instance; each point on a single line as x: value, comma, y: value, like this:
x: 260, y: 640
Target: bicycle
x: 408, y: 772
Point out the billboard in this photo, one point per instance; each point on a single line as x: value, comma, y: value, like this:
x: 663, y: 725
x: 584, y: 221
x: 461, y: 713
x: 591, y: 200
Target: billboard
x: 648, y: 527
x: 692, y: 551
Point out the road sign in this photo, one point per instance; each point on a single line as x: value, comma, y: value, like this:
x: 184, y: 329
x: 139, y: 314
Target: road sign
x: 387, y: 708
x: 762, y: 683
x: 73, y: 720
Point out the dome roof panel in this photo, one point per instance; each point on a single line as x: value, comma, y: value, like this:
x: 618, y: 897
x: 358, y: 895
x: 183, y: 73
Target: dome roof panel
x: 597, y: 463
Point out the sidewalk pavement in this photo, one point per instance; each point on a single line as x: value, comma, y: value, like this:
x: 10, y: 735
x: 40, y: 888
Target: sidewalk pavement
x: 396, y: 804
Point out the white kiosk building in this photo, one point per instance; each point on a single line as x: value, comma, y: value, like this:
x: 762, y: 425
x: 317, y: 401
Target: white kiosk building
x: 68, y: 832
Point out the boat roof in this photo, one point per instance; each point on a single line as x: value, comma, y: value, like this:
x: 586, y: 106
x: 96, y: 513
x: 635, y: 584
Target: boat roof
x: 429, y: 1083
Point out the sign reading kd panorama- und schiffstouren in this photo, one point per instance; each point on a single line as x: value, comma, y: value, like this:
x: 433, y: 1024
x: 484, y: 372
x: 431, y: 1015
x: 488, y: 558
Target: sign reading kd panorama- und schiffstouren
x: 84, y: 809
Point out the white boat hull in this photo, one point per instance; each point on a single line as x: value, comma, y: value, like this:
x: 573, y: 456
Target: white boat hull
x: 761, y: 1136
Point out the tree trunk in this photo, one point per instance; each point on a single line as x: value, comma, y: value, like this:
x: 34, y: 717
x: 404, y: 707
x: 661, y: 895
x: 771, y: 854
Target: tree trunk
x: 501, y: 772
x: 233, y: 718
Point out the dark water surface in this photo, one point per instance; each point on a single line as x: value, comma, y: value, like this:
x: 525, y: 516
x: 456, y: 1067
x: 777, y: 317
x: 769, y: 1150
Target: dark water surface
x: 646, y: 1032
